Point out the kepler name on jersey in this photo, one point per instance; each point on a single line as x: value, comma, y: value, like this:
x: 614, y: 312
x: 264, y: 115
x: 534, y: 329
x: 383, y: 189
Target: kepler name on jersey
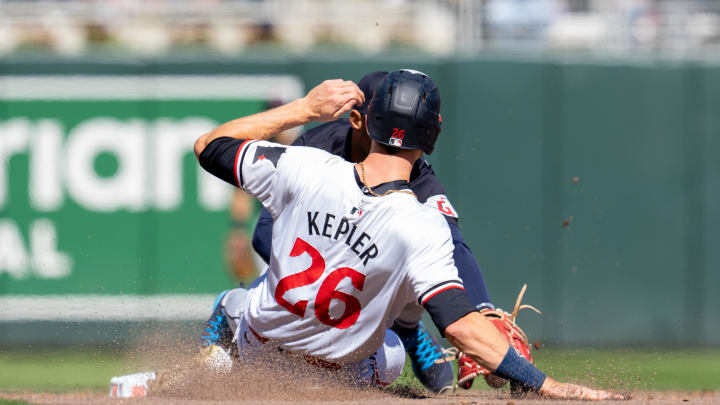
x: 328, y: 229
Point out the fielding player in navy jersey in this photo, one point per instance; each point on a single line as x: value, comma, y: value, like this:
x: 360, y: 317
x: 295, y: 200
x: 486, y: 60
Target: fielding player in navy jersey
x: 349, y: 139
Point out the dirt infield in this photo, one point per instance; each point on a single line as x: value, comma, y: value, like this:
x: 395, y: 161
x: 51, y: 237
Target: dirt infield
x: 285, y: 380
x: 366, y: 398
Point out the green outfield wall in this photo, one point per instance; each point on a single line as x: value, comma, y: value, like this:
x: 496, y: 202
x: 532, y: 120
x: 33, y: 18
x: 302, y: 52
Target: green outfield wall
x: 594, y: 181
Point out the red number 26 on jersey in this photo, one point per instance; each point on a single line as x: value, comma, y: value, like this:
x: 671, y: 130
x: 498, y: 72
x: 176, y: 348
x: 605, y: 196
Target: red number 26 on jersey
x: 327, y: 291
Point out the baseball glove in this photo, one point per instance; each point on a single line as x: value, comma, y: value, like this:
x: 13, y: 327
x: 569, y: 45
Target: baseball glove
x: 468, y: 369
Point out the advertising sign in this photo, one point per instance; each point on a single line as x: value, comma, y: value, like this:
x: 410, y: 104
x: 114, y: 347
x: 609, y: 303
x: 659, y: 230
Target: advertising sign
x: 100, y: 194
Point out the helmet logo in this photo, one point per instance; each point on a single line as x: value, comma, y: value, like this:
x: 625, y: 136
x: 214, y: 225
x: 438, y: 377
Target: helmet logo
x: 397, y: 137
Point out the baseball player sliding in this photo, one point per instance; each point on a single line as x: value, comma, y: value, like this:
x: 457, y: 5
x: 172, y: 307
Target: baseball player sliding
x: 349, y: 139
x: 351, y: 245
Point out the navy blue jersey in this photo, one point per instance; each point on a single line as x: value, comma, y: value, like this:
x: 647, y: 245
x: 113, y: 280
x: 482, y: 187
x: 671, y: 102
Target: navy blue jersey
x: 336, y: 137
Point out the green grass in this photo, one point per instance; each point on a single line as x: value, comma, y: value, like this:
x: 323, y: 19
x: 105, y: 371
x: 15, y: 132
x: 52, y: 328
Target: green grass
x: 642, y: 369
x: 12, y: 402
x: 635, y: 369
x: 59, y: 370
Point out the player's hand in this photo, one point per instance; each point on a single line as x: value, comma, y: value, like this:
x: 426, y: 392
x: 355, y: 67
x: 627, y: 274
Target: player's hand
x: 331, y: 99
x: 557, y: 390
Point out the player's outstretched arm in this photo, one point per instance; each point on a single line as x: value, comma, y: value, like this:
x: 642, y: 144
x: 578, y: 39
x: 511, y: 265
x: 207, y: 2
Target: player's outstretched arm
x: 327, y: 101
x: 477, y: 337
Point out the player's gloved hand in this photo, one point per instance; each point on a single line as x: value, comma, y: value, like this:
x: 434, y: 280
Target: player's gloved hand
x: 468, y: 369
x: 331, y: 99
x: 557, y: 390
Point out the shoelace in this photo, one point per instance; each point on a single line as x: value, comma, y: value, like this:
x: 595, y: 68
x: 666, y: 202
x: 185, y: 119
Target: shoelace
x: 426, y: 351
x: 212, y: 334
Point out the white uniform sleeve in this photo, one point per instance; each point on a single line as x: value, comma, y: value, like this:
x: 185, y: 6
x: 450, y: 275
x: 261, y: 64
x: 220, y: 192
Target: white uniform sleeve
x: 431, y: 268
x: 270, y: 172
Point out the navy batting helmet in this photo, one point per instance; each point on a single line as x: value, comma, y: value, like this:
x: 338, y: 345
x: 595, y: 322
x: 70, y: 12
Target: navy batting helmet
x: 405, y: 111
x: 368, y: 84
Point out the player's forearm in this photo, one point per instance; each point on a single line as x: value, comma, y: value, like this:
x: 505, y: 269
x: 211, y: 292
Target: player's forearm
x: 260, y: 126
x: 325, y: 102
x: 477, y: 337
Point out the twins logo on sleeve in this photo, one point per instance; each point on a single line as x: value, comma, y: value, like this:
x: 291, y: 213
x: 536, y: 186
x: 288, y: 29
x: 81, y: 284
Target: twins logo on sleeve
x: 271, y: 153
x: 441, y: 203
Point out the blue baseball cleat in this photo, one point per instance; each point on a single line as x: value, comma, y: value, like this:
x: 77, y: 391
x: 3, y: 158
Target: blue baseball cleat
x: 423, y: 351
x: 217, y: 331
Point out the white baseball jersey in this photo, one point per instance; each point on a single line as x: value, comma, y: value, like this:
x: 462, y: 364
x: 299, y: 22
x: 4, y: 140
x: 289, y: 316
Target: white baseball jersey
x: 343, y: 264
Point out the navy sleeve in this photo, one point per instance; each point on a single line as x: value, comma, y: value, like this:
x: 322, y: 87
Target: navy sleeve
x: 262, y: 237
x: 219, y: 158
x: 469, y: 270
x: 300, y: 140
x: 448, y: 306
x: 431, y: 192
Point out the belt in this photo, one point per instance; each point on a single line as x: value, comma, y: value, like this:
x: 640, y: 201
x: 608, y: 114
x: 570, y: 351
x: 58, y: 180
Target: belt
x: 311, y: 360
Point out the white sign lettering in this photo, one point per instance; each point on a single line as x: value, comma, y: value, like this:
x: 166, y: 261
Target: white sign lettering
x: 150, y: 158
x: 42, y: 259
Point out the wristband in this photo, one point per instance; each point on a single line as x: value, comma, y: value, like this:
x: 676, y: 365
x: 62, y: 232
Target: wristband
x: 517, y: 368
